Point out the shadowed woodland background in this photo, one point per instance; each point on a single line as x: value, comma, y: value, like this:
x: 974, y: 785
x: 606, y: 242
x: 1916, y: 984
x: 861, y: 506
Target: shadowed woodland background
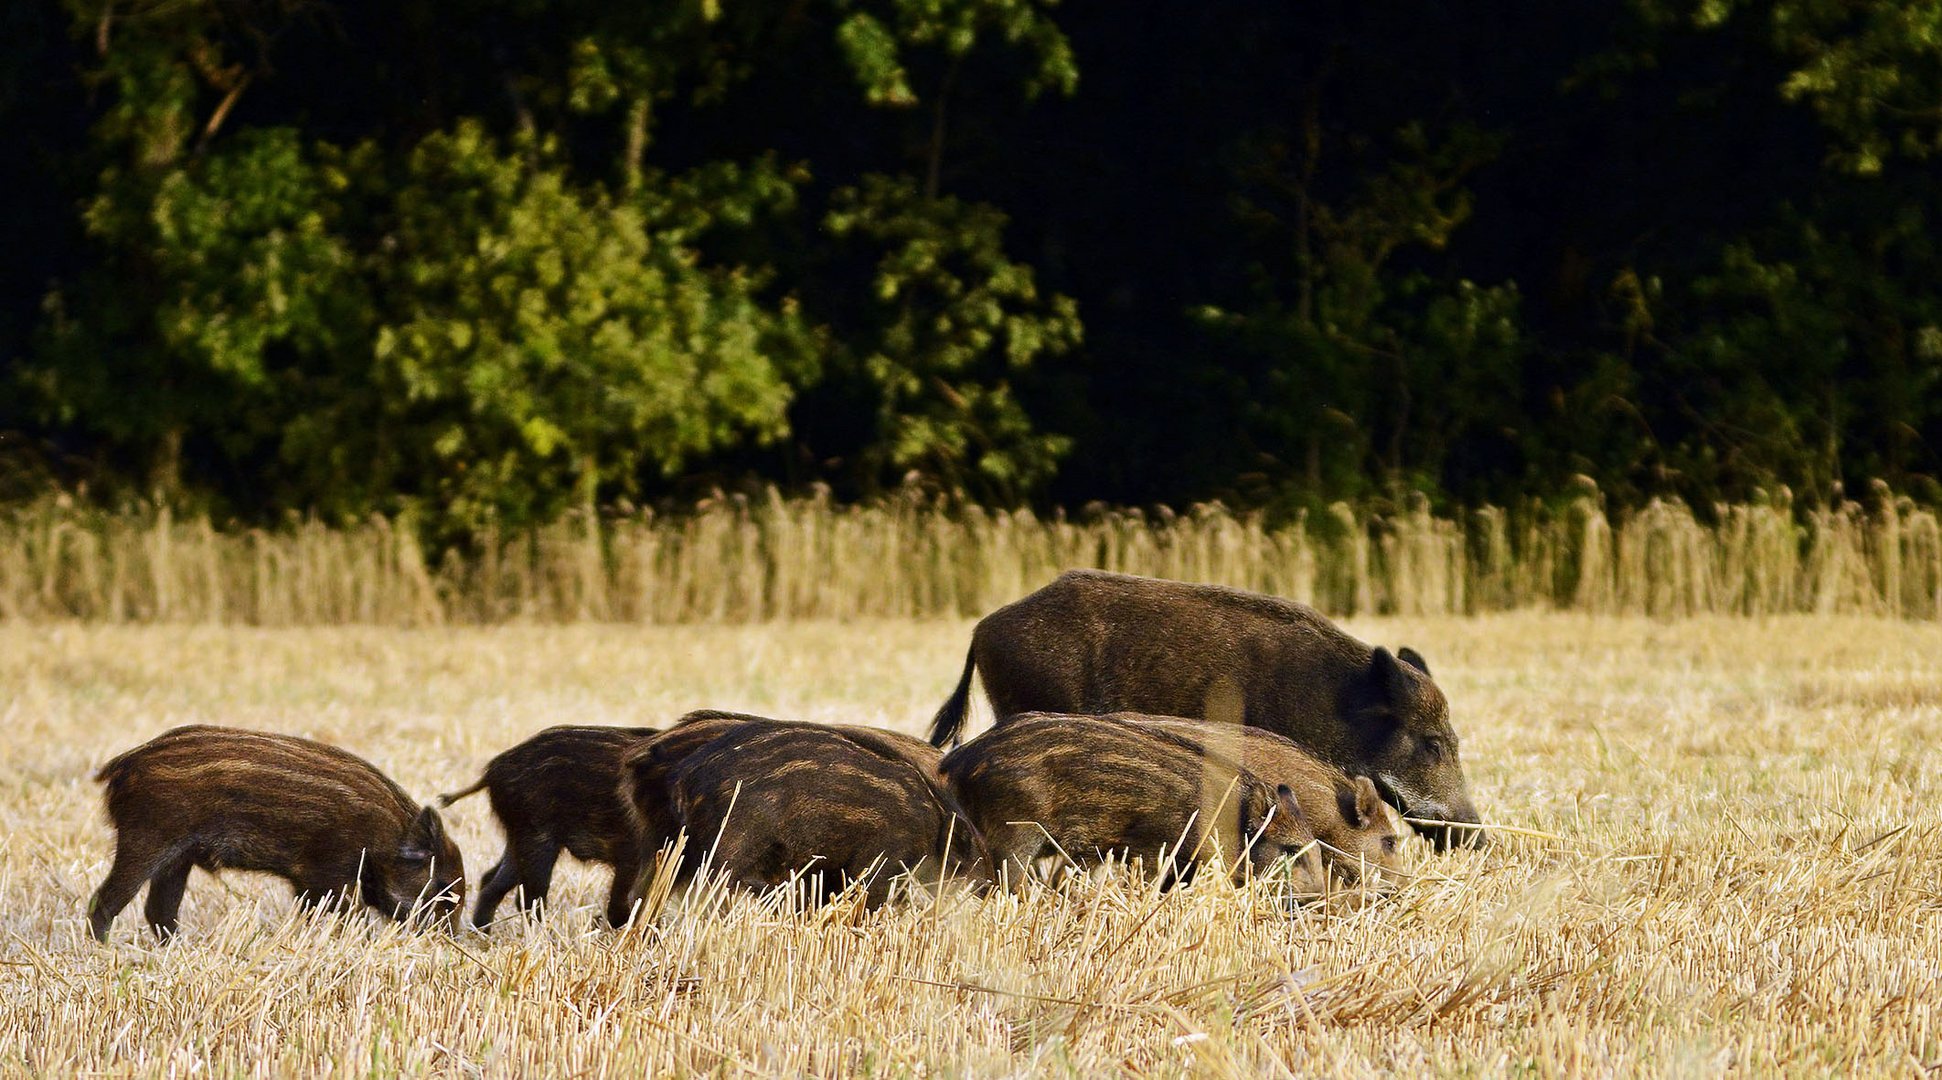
x: 479, y: 263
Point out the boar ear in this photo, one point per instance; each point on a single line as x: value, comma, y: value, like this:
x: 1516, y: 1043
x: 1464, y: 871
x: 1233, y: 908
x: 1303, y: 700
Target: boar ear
x: 1255, y: 802
x: 424, y: 838
x: 1349, y: 801
x: 1387, y: 678
x: 1368, y: 801
x: 1413, y: 658
x: 1285, y: 796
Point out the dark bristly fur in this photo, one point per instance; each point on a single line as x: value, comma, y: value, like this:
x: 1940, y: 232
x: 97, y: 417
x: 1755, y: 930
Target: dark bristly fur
x: 782, y: 797
x: 1089, y: 786
x: 1358, y: 833
x: 647, y: 767
x: 559, y: 791
x: 647, y: 771
x: 224, y: 799
x: 1093, y: 642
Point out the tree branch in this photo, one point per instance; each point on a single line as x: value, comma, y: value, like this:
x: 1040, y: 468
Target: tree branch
x: 222, y: 113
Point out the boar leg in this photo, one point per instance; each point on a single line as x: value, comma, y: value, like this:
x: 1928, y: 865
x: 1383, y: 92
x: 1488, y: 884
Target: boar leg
x: 1177, y: 872
x: 493, y: 888
x: 134, y: 862
x: 620, y: 899
x: 532, y: 859
x: 165, y: 894
x: 878, y: 893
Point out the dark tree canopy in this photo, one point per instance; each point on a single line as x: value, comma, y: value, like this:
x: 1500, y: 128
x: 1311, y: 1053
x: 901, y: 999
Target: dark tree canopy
x: 493, y: 259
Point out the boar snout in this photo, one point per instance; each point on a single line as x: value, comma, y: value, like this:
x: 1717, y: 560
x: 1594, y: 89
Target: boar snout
x: 1454, y: 835
x: 1418, y: 809
x: 428, y: 885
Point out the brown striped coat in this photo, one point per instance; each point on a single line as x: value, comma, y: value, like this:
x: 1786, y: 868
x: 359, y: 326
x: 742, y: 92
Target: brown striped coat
x: 647, y: 767
x: 317, y: 816
x: 768, y: 802
x: 1091, y: 786
x: 1359, y: 835
x: 559, y: 791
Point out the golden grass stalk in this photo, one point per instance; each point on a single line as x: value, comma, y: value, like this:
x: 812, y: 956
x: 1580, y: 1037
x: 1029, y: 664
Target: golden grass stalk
x: 736, y: 559
x: 1719, y: 849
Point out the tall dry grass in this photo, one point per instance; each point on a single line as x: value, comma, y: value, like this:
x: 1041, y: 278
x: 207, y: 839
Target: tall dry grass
x: 741, y: 559
x: 1746, y: 877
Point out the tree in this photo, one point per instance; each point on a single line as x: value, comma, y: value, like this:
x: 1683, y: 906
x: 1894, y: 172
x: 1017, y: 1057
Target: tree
x: 946, y: 315
x: 171, y: 221
x: 547, y: 342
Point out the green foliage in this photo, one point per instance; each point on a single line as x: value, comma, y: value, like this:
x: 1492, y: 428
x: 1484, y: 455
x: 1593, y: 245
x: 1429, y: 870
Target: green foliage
x: 1801, y: 338
x: 548, y: 341
x: 474, y: 327
x: 490, y: 260
x: 237, y: 275
x: 207, y: 261
x: 946, y: 308
x: 244, y: 244
x: 1871, y: 70
x: 875, y: 35
x: 1346, y: 343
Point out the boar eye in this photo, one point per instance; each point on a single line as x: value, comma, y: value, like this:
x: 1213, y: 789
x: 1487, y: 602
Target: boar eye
x: 1433, y: 748
x: 1388, y: 843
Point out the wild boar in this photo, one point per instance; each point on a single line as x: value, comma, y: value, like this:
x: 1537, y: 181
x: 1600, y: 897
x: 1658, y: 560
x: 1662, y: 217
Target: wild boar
x: 647, y: 767
x: 314, y: 815
x: 1358, y: 833
x: 1089, y: 786
x: 1093, y: 642
x: 777, y: 802
x: 559, y: 790
x: 647, y: 774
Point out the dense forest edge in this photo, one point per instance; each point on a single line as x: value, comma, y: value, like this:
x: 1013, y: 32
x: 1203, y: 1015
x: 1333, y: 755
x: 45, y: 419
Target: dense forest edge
x: 489, y: 269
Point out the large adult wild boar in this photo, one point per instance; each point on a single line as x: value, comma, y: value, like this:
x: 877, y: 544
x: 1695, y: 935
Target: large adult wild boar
x: 224, y: 799
x: 1094, y: 642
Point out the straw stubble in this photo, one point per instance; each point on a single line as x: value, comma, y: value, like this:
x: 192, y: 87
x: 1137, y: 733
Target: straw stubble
x: 1729, y: 861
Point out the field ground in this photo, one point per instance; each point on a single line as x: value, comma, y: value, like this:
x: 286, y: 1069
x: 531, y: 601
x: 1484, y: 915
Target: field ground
x: 1746, y: 875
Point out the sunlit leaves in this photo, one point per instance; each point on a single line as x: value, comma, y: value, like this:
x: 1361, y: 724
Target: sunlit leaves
x: 499, y: 299
x: 1871, y: 70
x: 567, y: 339
x: 876, y: 34
x: 951, y: 315
x: 244, y: 244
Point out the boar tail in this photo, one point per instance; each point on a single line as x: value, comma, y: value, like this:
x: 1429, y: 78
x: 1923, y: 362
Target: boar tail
x: 948, y: 724
x: 117, y: 768
x: 118, y: 777
x: 447, y: 800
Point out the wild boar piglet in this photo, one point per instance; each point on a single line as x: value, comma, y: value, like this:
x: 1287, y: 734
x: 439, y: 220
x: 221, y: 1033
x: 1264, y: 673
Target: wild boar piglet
x: 559, y: 790
x: 1090, y: 786
x: 321, y: 818
x: 1359, y: 836
x: 825, y: 808
x: 647, y: 767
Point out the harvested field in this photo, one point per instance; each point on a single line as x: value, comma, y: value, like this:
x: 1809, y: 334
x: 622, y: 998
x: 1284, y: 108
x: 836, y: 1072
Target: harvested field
x: 1732, y: 863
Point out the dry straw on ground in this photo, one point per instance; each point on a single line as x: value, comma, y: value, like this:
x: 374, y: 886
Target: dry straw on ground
x: 741, y: 560
x: 1747, y: 876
